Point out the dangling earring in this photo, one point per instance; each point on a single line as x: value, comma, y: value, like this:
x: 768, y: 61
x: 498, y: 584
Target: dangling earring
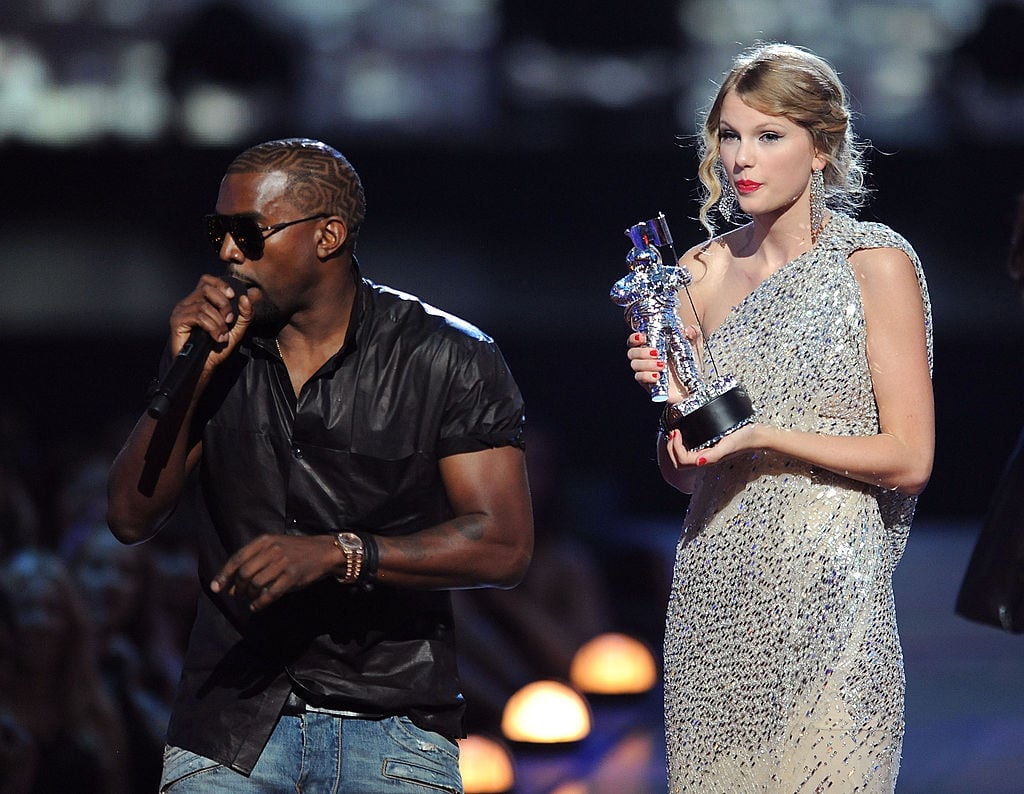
x: 817, y: 202
x: 727, y: 201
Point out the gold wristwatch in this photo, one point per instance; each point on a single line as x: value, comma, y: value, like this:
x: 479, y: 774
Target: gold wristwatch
x: 352, y: 547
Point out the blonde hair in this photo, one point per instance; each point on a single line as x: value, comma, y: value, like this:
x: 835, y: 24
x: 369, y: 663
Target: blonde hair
x: 789, y: 81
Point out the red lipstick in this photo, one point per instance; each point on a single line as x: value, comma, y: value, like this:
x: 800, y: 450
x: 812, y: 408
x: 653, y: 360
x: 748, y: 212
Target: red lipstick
x: 746, y: 186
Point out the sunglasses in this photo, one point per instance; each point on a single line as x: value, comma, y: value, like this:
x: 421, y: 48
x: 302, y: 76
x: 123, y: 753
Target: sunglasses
x: 248, y: 235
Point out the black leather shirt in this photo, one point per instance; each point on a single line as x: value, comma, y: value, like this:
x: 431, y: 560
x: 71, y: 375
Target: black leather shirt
x: 357, y: 450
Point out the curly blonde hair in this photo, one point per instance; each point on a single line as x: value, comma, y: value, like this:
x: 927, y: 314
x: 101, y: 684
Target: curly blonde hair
x: 789, y: 81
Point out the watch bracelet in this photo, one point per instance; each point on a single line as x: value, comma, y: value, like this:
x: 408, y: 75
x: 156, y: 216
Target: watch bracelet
x: 360, y: 566
x: 353, y: 561
x: 371, y: 560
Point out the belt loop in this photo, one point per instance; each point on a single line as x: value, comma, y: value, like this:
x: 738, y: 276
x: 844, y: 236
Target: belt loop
x: 294, y: 706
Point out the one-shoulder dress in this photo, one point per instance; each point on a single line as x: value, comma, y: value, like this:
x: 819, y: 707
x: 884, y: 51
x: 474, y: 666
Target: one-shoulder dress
x: 783, y: 666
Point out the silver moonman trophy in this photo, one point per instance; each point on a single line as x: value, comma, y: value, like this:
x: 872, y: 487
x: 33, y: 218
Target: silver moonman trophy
x: 649, y: 293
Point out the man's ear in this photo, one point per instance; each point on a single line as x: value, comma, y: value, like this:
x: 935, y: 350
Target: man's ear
x: 332, y: 237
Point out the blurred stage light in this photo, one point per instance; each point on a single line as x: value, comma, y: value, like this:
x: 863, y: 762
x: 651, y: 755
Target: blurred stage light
x: 613, y: 664
x: 486, y: 765
x: 546, y: 712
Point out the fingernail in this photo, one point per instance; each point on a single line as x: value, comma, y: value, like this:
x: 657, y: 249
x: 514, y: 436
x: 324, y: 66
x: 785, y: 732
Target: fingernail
x: 701, y: 461
x: 661, y: 364
x: 654, y: 353
x: 636, y: 337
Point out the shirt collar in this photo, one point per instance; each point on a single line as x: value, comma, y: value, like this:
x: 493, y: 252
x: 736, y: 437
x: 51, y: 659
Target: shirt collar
x: 360, y: 305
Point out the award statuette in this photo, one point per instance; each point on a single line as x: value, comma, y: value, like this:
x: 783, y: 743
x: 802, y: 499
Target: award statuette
x: 712, y: 408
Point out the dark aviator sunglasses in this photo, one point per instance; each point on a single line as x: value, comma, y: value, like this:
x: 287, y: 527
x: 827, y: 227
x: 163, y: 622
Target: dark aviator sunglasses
x: 248, y: 235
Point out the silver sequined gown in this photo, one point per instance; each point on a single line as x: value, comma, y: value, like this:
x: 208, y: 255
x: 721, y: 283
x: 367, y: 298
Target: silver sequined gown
x: 783, y: 667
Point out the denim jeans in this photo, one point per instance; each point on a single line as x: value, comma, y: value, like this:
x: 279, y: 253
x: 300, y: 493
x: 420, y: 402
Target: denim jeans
x: 323, y: 754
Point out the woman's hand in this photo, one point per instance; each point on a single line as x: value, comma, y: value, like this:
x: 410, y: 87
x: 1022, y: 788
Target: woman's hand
x: 745, y: 439
x: 648, y: 363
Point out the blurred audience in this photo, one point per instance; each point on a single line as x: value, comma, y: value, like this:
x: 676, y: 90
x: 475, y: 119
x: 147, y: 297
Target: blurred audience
x: 117, y: 584
x: 53, y: 691
x: 17, y: 758
x: 81, y: 500
x: 19, y: 519
x: 174, y: 591
x: 92, y: 632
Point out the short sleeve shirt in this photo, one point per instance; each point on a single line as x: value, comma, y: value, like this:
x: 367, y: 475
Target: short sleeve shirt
x: 358, y: 449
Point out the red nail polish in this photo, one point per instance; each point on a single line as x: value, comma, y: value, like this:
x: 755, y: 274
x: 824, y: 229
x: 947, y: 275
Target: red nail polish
x: 661, y: 364
x: 701, y: 461
x: 654, y: 353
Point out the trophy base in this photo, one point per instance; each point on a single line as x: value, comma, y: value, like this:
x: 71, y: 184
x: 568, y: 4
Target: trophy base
x: 705, y: 419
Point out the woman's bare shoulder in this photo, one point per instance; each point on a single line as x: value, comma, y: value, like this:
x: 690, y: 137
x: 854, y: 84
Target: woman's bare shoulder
x: 709, y: 255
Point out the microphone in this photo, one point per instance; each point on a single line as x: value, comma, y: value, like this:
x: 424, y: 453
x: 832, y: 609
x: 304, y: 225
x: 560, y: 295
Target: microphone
x: 189, y: 361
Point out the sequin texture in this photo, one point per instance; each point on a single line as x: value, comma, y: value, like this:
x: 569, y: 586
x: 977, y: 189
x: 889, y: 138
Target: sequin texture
x: 783, y: 667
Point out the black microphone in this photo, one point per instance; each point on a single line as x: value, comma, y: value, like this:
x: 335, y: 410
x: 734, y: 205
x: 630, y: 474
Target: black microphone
x: 190, y: 360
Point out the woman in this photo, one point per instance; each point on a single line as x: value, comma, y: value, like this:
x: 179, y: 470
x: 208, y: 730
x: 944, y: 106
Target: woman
x: 783, y: 668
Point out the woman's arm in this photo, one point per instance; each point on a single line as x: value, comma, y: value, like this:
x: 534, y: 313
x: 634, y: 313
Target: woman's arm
x: 900, y: 456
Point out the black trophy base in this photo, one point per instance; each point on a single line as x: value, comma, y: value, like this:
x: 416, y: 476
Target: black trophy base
x: 704, y: 423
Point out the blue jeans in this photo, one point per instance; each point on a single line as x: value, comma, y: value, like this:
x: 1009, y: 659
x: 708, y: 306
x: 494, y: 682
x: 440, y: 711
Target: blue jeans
x: 324, y: 754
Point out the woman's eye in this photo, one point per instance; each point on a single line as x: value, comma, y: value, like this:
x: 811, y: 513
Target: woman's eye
x: 726, y: 135
x: 771, y: 136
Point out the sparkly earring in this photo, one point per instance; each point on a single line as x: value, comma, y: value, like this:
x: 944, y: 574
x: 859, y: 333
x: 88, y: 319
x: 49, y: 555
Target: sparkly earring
x: 727, y: 201
x: 817, y: 202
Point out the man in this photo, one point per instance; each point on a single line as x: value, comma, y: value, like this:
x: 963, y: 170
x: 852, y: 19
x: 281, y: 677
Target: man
x: 357, y: 454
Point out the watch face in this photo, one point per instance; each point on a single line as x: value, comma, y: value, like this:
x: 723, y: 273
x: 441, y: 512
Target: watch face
x: 349, y: 541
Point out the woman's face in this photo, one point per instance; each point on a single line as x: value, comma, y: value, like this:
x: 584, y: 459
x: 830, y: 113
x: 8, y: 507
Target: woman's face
x: 768, y: 158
